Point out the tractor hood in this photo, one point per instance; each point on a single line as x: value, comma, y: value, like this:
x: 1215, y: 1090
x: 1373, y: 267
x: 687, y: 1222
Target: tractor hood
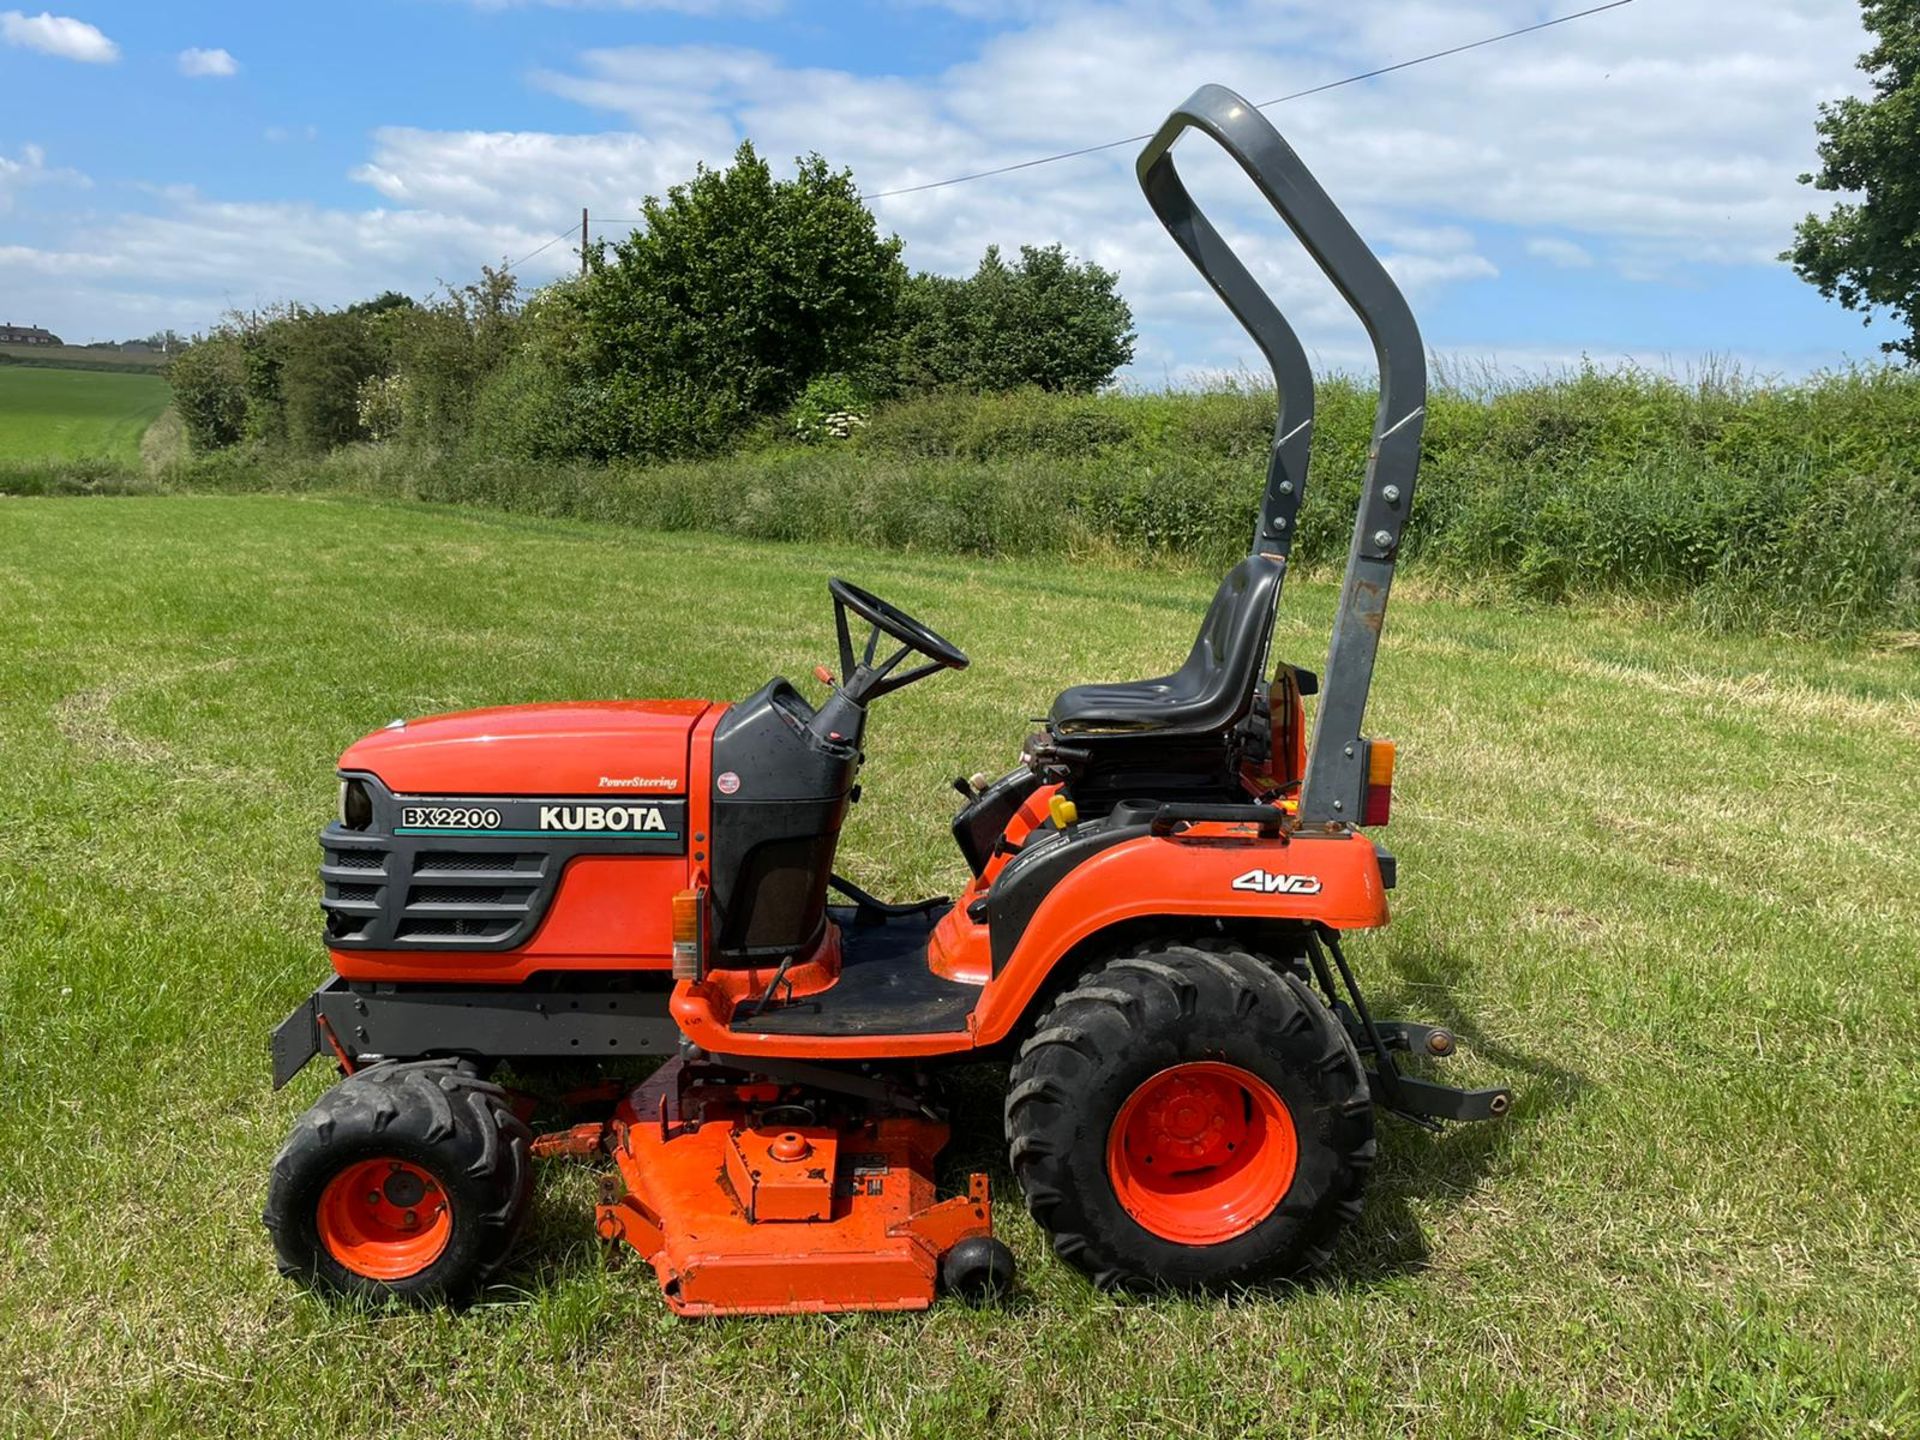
x: 614, y: 747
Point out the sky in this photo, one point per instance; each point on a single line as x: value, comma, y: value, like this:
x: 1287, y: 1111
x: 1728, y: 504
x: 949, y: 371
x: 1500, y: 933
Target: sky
x: 1618, y: 188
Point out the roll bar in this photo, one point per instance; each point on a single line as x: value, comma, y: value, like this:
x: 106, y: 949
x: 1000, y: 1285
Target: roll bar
x: 1336, y: 758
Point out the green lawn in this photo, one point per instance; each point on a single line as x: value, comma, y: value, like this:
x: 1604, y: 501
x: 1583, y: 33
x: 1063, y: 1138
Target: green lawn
x: 1667, y: 886
x: 50, y: 414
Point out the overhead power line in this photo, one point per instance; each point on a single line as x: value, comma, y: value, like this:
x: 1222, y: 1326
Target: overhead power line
x: 1374, y: 74
x: 541, y: 249
x: 1263, y: 105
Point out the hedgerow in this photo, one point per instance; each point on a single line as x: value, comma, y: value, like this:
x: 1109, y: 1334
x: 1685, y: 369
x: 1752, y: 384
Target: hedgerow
x: 1788, y: 507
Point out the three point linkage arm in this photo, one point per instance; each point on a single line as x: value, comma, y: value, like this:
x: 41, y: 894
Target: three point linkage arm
x: 1336, y: 760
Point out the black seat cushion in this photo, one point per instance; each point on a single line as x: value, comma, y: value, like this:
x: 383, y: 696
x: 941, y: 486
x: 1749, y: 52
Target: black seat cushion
x: 1208, y: 694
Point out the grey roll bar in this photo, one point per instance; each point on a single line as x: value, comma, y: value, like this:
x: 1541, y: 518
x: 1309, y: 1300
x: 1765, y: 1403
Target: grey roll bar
x: 1251, y: 306
x: 1336, y: 760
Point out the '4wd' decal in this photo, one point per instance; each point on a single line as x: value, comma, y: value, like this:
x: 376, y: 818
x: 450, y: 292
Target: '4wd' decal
x: 1265, y: 882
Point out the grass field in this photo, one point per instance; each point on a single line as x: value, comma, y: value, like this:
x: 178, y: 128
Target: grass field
x: 1667, y: 886
x: 83, y: 357
x: 50, y: 414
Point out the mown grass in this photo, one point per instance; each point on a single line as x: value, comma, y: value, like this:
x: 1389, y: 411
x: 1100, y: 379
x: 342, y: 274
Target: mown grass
x: 1666, y: 885
x: 87, y: 415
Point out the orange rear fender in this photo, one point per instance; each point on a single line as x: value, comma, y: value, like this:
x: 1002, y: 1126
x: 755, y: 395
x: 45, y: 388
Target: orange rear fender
x: 1232, y: 876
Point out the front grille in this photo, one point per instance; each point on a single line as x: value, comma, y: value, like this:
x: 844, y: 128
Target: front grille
x: 394, y: 885
x: 438, y: 862
x: 452, y: 895
x: 380, y: 890
x: 453, y: 929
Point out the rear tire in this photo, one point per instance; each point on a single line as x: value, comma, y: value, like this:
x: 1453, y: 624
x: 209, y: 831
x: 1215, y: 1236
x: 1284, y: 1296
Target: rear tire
x: 1189, y: 1117
x: 407, y: 1179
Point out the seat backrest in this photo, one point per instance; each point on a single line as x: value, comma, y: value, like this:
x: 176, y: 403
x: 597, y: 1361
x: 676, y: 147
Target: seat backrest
x: 1223, y: 670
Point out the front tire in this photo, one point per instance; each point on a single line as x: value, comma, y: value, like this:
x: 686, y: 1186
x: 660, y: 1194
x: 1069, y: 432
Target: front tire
x: 407, y: 1179
x: 1190, y: 1118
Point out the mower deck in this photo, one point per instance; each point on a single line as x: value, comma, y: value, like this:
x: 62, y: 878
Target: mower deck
x: 885, y: 986
x: 744, y: 1205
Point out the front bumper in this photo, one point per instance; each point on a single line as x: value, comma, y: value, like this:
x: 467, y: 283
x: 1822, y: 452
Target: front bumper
x: 411, y: 1022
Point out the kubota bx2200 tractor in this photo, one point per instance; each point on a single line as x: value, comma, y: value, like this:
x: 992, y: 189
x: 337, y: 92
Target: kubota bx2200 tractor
x: 1150, y: 936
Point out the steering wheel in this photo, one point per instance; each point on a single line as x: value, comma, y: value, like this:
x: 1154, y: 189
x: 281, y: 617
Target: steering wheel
x: 890, y: 620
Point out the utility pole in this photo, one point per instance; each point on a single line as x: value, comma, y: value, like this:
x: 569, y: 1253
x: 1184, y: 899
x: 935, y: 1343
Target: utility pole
x: 583, y: 240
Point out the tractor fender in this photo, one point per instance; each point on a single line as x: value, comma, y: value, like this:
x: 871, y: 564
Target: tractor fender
x: 1329, y: 880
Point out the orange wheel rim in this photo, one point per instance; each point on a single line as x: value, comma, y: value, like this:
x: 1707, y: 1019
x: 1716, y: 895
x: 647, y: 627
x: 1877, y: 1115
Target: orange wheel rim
x: 1202, y: 1152
x: 385, y: 1219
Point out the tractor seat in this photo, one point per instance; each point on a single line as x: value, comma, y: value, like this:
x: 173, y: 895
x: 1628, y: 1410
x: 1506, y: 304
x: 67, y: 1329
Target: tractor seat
x: 1209, y: 693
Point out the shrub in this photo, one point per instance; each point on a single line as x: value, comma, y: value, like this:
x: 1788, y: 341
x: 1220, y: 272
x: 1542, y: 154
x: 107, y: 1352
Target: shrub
x: 324, y: 357
x: 209, y: 380
x: 381, y: 406
x: 447, y: 349
x: 832, y: 407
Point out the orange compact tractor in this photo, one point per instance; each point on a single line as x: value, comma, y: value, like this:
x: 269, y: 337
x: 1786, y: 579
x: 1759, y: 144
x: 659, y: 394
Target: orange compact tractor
x: 1150, y: 937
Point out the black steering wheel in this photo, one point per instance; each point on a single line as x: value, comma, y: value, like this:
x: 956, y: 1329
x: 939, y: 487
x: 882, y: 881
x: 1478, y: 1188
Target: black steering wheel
x: 891, y: 620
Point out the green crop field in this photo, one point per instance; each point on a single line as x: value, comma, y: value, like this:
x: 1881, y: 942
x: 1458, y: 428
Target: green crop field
x: 1667, y: 885
x: 84, y: 357
x: 48, y: 414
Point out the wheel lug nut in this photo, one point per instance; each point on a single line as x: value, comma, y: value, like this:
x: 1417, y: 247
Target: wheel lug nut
x: 410, y: 1220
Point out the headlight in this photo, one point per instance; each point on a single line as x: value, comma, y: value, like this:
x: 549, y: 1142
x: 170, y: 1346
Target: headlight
x: 356, y: 805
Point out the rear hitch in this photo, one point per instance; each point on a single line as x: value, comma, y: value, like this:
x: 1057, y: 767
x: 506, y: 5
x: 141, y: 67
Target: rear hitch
x: 1424, y: 1102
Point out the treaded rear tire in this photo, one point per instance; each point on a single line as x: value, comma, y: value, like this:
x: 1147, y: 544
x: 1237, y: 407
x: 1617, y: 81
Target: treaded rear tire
x: 1141, y: 1014
x: 437, y: 1115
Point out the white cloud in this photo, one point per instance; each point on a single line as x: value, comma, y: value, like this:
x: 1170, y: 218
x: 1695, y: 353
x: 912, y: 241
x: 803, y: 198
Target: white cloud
x: 31, y: 168
x: 59, y: 35
x: 1557, y: 250
x: 1655, y: 141
x: 204, y: 64
x: 1654, y: 135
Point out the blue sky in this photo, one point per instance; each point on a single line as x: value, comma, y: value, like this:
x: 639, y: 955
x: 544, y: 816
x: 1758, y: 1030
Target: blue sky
x: 1615, y: 188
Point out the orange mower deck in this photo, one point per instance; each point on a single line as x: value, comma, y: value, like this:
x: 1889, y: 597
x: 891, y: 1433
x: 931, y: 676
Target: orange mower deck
x: 741, y: 1213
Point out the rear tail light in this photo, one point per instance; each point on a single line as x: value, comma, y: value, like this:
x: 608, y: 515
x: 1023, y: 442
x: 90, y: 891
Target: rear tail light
x: 1379, y: 783
x: 689, y: 934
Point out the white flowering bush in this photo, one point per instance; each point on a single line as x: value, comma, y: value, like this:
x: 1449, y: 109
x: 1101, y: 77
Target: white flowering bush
x: 832, y: 407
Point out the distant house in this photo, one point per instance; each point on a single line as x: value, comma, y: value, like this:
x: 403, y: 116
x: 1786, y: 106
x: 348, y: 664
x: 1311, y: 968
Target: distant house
x: 11, y: 334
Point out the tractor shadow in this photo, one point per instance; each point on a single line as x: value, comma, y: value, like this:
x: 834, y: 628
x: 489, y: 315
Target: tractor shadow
x: 1419, y: 1171
x: 1424, y: 1170
x: 558, y: 1243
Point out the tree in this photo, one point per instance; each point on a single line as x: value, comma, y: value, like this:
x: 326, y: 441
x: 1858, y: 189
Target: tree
x: 380, y: 304
x: 739, y: 289
x: 1046, y: 320
x: 1863, y: 253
